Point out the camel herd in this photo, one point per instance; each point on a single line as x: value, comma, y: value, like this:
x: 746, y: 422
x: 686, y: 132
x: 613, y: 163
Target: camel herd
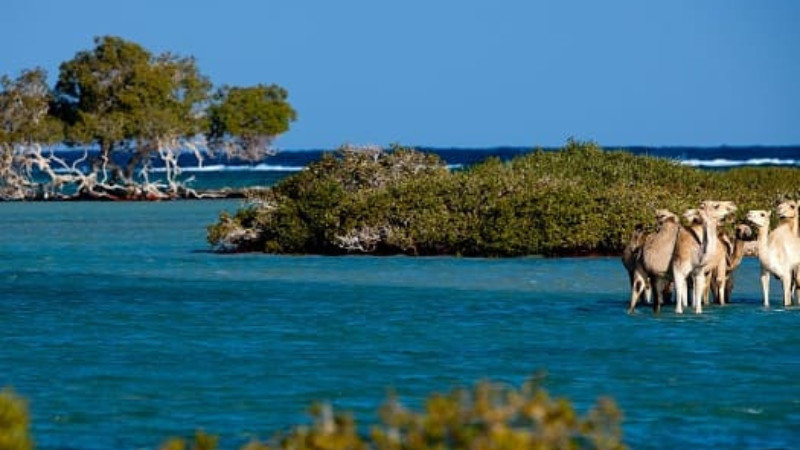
x: 700, y: 258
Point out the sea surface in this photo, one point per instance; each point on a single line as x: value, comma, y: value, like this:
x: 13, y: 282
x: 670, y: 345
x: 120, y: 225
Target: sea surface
x: 122, y: 330
x: 220, y: 172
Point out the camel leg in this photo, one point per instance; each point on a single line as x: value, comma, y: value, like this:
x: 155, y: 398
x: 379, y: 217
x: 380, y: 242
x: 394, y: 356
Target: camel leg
x: 638, y: 287
x: 654, y: 295
x: 728, y: 288
x: 722, y: 281
x: 685, y: 297
x: 697, y: 294
x: 796, y: 283
x: 667, y: 291
x: 680, y: 293
x: 765, y: 287
x: 787, y: 289
x: 634, y: 297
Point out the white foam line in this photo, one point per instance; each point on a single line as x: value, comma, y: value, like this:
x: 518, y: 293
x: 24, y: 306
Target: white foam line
x: 721, y: 162
x: 225, y: 168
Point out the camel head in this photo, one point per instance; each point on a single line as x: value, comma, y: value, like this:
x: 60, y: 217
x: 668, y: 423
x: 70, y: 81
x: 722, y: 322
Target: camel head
x: 638, y: 235
x: 717, y: 209
x: 759, y: 218
x: 743, y: 232
x: 787, y: 210
x: 693, y: 216
x: 664, y: 216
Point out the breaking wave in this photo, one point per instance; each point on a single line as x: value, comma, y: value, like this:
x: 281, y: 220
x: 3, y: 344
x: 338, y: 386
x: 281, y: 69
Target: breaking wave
x: 729, y: 163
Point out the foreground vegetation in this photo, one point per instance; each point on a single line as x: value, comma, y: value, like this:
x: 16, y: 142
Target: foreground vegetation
x: 580, y: 200
x: 490, y: 416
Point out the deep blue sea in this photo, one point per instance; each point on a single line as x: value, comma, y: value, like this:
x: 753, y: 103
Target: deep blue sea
x: 215, y: 173
x: 122, y: 330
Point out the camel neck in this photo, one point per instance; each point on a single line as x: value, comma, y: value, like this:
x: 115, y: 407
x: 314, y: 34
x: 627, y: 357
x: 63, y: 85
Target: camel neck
x: 785, y: 224
x: 736, y: 256
x: 670, y: 227
x: 709, y: 236
x: 763, y: 239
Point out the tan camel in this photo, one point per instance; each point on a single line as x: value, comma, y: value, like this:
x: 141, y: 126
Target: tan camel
x: 690, y: 239
x: 716, y: 270
x: 778, y: 252
x: 788, y: 213
x: 639, y: 282
x: 722, y: 286
x: 696, y: 252
x: 632, y: 248
x: 653, y: 260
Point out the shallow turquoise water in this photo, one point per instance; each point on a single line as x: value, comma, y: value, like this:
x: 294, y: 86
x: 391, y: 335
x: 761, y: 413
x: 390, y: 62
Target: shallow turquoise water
x: 122, y: 331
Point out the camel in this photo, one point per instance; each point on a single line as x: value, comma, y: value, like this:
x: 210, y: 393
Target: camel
x: 722, y: 283
x: 638, y: 279
x: 653, y: 259
x: 689, y: 243
x: 787, y: 212
x: 778, y: 252
x: 696, y: 252
x: 716, y: 269
x: 631, y: 250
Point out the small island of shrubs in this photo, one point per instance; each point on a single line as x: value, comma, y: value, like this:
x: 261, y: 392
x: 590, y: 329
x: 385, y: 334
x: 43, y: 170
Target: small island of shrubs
x: 578, y: 200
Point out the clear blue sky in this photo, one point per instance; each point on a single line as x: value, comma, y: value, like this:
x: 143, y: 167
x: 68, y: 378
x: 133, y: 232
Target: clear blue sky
x: 466, y: 73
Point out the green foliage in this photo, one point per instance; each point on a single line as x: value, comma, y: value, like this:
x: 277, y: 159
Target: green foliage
x: 119, y: 92
x: 135, y: 107
x: 490, y: 416
x: 340, y: 201
x: 24, y: 110
x: 14, y: 422
x: 202, y: 441
x: 249, y: 118
x: 576, y: 201
x: 25, y: 124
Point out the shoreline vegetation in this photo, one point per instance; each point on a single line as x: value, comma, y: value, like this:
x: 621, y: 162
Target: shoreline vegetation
x: 579, y: 200
x: 130, y: 110
x: 490, y: 415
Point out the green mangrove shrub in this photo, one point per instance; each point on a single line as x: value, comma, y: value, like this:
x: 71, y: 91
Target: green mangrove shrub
x: 14, y: 422
x: 579, y: 200
x: 489, y: 416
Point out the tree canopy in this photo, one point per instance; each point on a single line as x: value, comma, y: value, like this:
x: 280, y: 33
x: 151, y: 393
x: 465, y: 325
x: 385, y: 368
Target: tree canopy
x: 131, y: 106
x: 24, y: 104
x: 121, y: 93
x: 25, y: 125
x: 246, y: 119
